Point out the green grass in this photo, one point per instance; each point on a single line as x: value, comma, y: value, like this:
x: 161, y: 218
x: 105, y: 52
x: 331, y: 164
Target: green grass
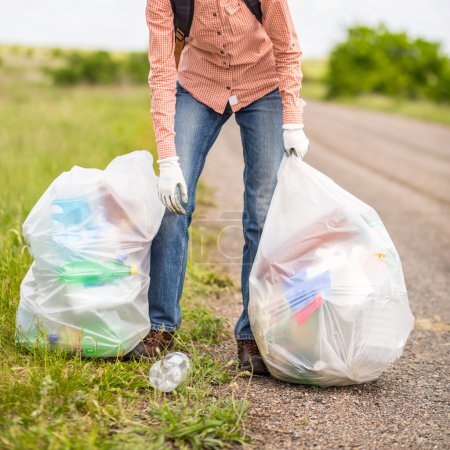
x: 314, y: 87
x: 54, y: 400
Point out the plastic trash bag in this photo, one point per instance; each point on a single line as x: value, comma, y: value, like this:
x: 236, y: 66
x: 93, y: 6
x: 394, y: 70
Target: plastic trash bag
x: 328, y: 302
x: 90, y: 235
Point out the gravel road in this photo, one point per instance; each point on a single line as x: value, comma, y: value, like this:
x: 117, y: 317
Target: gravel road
x: 402, y: 168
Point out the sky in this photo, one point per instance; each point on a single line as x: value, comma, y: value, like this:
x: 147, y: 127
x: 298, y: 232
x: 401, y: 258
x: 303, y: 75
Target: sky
x: 120, y: 24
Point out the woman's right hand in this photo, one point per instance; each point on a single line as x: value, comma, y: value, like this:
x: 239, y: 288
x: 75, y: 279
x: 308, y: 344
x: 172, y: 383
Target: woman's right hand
x: 170, y: 179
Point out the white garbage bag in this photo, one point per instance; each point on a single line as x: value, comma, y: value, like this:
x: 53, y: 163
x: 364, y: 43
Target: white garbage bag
x: 328, y: 302
x: 90, y: 235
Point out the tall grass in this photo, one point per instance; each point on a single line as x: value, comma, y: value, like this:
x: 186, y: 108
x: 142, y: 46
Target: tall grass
x: 53, y: 400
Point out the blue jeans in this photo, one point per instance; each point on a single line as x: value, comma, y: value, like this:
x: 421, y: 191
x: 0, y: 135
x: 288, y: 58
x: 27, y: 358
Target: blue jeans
x: 196, y: 129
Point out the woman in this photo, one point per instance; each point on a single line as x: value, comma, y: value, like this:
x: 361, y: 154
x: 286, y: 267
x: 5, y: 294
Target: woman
x: 231, y: 63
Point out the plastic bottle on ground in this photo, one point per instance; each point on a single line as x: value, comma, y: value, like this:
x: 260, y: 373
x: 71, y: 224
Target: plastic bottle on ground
x: 168, y: 373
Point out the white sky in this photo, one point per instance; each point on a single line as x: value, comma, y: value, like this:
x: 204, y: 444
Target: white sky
x: 120, y: 24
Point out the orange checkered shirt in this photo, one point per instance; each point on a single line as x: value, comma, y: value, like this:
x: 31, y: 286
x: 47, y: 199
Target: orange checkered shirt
x: 229, y: 56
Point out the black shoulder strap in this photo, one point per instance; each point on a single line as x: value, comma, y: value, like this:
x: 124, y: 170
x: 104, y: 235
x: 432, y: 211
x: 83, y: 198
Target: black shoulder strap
x: 255, y: 7
x: 183, y: 11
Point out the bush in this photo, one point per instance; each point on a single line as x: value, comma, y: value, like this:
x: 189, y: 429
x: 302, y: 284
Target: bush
x: 135, y: 67
x: 374, y: 60
x: 91, y: 68
x: 99, y: 67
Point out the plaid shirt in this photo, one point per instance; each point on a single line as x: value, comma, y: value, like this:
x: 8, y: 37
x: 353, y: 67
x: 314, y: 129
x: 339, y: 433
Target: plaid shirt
x: 229, y: 56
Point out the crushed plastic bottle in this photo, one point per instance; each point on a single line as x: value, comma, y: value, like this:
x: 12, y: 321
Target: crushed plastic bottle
x: 168, y: 373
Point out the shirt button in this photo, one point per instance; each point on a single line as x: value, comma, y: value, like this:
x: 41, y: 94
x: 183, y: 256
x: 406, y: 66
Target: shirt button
x: 222, y: 52
x: 214, y: 14
x: 228, y: 87
x: 219, y: 33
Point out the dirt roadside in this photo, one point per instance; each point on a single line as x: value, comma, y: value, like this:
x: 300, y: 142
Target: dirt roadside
x: 402, y: 168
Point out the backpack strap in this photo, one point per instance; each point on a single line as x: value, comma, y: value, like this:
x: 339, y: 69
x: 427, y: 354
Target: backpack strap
x: 255, y: 7
x: 183, y: 11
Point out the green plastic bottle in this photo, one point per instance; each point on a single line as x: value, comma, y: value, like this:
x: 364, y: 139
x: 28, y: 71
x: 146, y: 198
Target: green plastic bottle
x: 91, y: 273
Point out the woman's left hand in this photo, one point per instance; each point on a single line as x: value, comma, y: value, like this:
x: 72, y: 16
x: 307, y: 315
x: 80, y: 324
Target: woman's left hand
x: 295, y: 140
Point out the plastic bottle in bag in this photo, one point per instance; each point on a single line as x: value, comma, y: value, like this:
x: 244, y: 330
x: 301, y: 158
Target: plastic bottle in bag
x: 168, y: 373
x: 90, y: 272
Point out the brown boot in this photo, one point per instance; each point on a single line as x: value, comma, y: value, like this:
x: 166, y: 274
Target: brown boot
x: 250, y: 358
x: 155, y: 343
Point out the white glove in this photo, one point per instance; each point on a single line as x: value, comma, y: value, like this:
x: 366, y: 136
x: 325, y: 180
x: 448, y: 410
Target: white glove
x: 170, y: 178
x: 295, y: 141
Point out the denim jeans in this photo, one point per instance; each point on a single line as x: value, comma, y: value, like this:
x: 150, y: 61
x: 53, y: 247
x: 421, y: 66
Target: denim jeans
x: 196, y: 129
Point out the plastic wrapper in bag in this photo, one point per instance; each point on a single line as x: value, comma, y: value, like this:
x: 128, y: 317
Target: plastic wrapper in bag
x: 328, y: 302
x: 90, y: 235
